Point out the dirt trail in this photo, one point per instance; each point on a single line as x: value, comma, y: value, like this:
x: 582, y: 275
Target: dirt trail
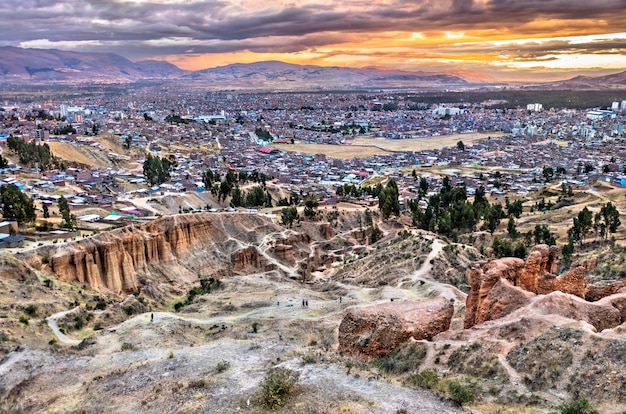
x: 52, y: 323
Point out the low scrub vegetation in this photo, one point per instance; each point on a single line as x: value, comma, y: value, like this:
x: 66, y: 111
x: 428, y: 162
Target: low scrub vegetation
x: 206, y: 286
x: 276, y: 387
x: 403, y: 359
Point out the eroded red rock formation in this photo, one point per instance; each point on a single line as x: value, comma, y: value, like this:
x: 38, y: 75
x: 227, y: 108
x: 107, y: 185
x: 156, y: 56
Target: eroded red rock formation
x: 111, y: 260
x: 249, y: 258
x: 535, y: 275
x: 375, y: 331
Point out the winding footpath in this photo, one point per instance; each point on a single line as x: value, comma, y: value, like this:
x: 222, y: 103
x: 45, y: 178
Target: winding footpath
x: 52, y: 323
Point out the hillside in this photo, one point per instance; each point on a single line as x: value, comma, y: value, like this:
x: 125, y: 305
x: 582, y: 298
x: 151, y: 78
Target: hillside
x: 140, y: 317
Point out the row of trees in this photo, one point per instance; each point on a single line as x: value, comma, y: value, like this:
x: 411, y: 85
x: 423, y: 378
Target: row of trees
x: 223, y: 187
x: 210, y: 178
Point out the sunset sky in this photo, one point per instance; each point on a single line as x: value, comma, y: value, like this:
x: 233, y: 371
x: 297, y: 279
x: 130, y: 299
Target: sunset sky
x: 509, y: 39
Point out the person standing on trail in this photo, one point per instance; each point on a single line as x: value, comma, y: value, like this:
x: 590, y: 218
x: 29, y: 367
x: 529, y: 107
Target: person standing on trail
x: 151, y: 317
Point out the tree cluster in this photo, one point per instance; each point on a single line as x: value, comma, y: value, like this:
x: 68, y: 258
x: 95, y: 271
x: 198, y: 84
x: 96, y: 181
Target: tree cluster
x: 31, y: 153
x: 604, y: 223
x: 175, y: 119
x: 388, y: 199
x: 263, y: 134
x: 223, y: 188
x: 157, y: 169
x: 256, y: 197
x: 289, y: 215
x: 16, y: 205
x: 64, y: 130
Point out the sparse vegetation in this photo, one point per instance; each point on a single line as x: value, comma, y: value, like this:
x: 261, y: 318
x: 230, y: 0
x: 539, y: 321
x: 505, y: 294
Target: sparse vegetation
x: 580, y: 406
x: 276, y: 387
x: 222, y: 366
x: 405, y: 358
x: 206, y: 286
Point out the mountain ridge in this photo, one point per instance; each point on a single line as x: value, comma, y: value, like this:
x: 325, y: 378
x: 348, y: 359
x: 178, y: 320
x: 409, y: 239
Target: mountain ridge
x: 54, y: 65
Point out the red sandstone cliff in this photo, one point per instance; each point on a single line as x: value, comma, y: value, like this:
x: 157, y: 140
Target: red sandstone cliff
x: 113, y: 259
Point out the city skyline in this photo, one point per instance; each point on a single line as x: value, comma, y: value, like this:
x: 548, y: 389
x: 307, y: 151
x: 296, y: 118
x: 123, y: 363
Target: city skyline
x: 530, y: 40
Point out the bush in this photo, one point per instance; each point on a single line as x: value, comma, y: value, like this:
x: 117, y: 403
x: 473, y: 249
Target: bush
x: 31, y: 310
x: 459, y: 392
x: 309, y: 358
x: 403, y: 359
x: 580, y: 406
x: 425, y: 379
x: 129, y: 309
x: 24, y: 319
x: 222, y: 366
x: 127, y: 346
x: 276, y: 387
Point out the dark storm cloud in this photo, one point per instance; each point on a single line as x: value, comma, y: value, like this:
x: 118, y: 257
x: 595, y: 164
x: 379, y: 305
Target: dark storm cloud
x: 219, y: 26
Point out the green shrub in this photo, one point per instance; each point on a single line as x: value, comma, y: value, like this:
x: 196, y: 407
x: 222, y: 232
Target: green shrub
x: 222, y: 366
x: 24, y: 319
x: 255, y: 327
x: 425, y: 379
x: 402, y: 359
x: 127, y: 346
x: 276, y: 387
x: 129, y: 309
x: 457, y: 391
x: 580, y: 406
x: 31, y: 310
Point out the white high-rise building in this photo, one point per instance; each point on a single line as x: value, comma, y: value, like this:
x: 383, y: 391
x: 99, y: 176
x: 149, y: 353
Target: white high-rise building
x: 614, y: 106
x: 622, y: 106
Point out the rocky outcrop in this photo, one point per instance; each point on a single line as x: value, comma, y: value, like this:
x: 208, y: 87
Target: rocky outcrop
x: 535, y: 275
x: 248, y: 259
x: 500, y: 300
x: 112, y: 260
x: 603, y: 289
x: 284, y: 253
x: 602, y: 315
x: 375, y: 331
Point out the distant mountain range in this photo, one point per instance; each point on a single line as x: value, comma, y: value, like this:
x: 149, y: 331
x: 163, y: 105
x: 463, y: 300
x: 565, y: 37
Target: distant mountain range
x: 58, y: 65
x: 52, y: 65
